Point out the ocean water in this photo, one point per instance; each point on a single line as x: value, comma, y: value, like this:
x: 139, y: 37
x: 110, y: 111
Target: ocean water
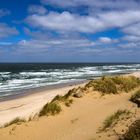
x: 15, y: 78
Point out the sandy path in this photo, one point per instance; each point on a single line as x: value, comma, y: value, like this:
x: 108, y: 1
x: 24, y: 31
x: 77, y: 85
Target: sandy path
x: 78, y: 122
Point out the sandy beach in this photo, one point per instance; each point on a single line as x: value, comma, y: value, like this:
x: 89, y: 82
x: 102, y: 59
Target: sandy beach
x: 28, y: 106
x: 81, y: 121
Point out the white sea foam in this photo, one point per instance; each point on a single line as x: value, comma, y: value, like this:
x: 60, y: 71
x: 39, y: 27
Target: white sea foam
x: 114, y: 71
x: 3, y: 73
x: 10, y: 82
x: 33, y: 73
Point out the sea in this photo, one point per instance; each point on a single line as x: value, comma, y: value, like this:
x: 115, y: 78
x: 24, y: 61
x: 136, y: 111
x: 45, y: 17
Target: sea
x: 17, y: 78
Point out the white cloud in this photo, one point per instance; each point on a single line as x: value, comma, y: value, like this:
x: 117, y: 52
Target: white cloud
x: 37, y: 9
x: 131, y: 38
x: 58, y: 43
x: 104, y: 4
x: 133, y: 29
x: 66, y: 21
x: 6, y: 31
x: 130, y: 45
x: 107, y: 40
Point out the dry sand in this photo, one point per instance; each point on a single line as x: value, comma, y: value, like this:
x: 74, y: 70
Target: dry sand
x: 81, y: 121
x: 28, y: 106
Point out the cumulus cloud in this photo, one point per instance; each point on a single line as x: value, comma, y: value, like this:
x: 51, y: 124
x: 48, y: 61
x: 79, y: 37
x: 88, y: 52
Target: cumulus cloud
x: 67, y: 21
x: 130, y: 45
x: 104, y: 4
x: 131, y: 38
x: 107, y: 40
x: 32, y: 9
x: 63, y: 28
x: 56, y: 43
x: 133, y: 29
x: 6, y: 31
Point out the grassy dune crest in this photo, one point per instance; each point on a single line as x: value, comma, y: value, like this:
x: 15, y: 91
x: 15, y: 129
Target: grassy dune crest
x: 113, y: 119
x: 52, y: 108
x: 114, y: 84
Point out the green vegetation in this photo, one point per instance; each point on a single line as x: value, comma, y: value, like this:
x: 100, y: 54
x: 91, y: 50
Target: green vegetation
x: 113, y: 119
x: 133, y: 132
x: 63, y: 98
x: 66, y: 96
x: 52, y: 108
x: 105, y: 85
x: 126, y: 83
x: 114, y: 84
x: 68, y: 102
x: 135, y: 98
x: 15, y: 121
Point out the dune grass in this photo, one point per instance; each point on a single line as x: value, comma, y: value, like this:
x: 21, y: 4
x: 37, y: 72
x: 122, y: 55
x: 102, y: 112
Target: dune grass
x: 65, y: 99
x: 52, y: 108
x: 126, y: 83
x: 68, y: 102
x: 105, y: 85
x: 135, y: 98
x: 15, y: 121
x: 114, y: 84
x: 133, y: 132
x: 62, y: 98
x: 113, y: 119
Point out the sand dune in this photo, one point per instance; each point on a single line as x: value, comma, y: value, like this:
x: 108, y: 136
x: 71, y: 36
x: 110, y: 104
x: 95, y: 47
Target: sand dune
x: 81, y: 121
x: 28, y: 106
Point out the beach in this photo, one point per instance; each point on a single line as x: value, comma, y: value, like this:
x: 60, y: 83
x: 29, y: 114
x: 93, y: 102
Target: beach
x: 80, y: 121
x: 70, y: 70
x: 28, y: 105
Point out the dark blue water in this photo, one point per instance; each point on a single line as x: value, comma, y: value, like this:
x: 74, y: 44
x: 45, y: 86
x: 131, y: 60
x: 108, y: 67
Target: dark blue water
x: 18, y: 77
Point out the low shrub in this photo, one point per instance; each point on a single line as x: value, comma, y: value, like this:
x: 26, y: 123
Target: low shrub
x: 111, y: 120
x: 135, y: 98
x: 133, y: 132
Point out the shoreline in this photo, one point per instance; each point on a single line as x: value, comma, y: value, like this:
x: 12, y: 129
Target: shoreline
x: 32, y: 91
x: 28, y: 105
x: 81, y: 120
x: 27, y: 92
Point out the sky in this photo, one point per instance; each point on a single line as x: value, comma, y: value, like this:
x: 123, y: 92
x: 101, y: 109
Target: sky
x: 70, y: 31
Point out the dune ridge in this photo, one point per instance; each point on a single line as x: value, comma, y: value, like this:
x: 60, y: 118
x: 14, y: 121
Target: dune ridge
x: 81, y: 121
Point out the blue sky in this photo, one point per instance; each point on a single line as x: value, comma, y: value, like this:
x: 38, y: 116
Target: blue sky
x: 70, y: 31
